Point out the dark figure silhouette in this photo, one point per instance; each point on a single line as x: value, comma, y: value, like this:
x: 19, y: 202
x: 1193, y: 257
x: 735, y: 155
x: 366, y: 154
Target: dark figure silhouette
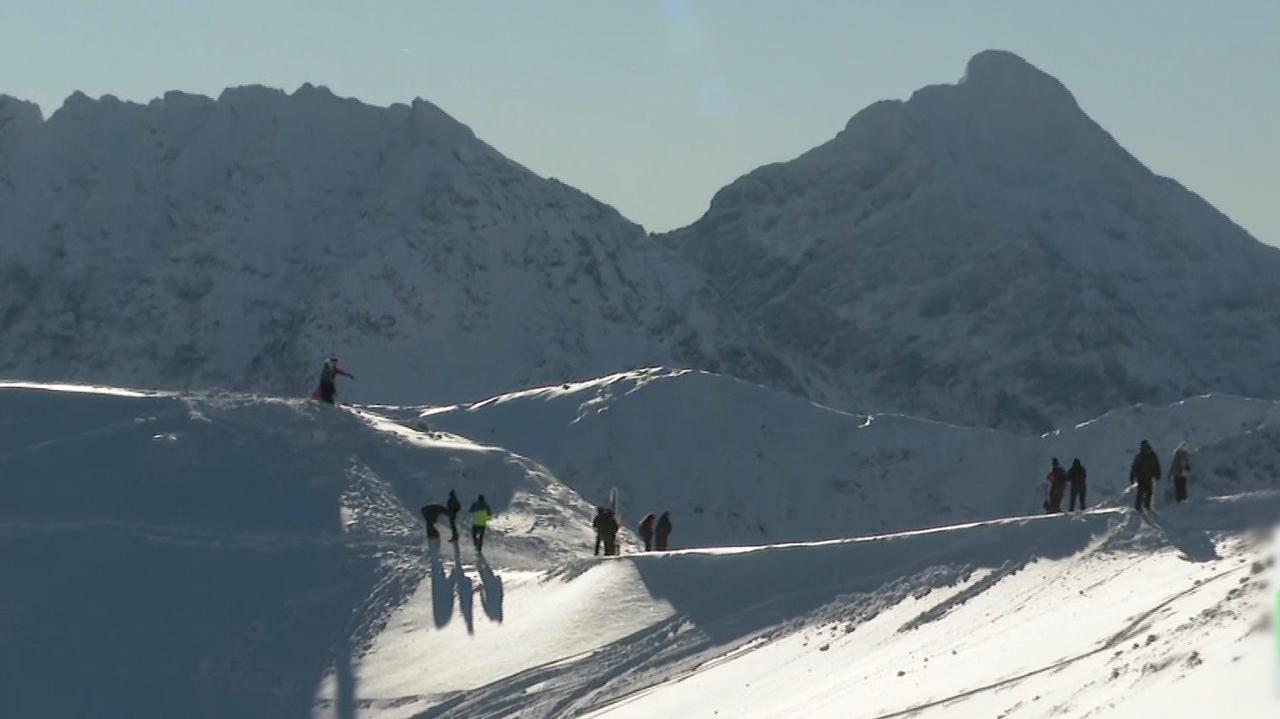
x: 606, y: 526
x: 662, y: 532
x: 1077, y: 476
x: 432, y: 512
x: 453, y: 506
x: 1057, y: 479
x: 1180, y: 471
x: 597, y: 522
x: 646, y: 531
x: 1144, y: 472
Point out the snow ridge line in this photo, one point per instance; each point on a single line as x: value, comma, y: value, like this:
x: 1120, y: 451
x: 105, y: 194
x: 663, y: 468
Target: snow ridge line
x: 747, y: 549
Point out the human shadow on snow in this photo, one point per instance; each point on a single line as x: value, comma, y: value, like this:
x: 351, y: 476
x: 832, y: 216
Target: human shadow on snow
x: 492, y: 583
x: 457, y: 585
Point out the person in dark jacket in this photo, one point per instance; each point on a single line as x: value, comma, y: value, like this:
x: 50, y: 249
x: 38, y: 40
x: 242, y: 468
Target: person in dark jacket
x: 1144, y: 472
x: 662, y: 532
x: 606, y: 526
x: 328, y: 388
x: 646, y: 531
x: 1057, y: 479
x: 432, y: 512
x: 1076, y: 477
x: 480, y: 515
x: 597, y: 523
x: 453, y: 506
x: 1180, y: 471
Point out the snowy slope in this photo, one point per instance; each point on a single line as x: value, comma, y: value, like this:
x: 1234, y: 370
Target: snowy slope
x: 737, y: 463
x: 220, y: 555
x: 985, y: 253
x: 237, y: 555
x: 234, y: 243
x: 1050, y: 616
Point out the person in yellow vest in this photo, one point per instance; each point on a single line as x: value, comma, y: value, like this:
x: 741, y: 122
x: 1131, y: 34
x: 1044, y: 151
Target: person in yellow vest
x: 479, y: 521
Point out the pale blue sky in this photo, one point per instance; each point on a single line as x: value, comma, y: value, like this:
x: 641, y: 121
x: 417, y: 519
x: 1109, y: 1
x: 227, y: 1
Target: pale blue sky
x: 653, y: 106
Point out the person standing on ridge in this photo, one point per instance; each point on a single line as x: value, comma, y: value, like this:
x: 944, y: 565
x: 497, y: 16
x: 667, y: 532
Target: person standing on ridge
x: 328, y: 388
x: 1180, y: 471
x: 606, y: 526
x: 1057, y: 479
x: 1076, y: 476
x: 597, y: 523
x: 610, y: 533
x: 1144, y: 472
x: 453, y: 506
x: 432, y: 512
x: 646, y: 531
x: 479, y: 521
x: 662, y: 532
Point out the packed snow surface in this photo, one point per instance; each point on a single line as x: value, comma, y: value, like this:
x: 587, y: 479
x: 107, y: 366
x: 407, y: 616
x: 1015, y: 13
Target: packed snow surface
x: 177, y: 554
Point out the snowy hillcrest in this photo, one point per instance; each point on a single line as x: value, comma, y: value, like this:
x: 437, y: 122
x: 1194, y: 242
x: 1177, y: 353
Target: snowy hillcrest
x: 741, y: 464
x: 232, y: 243
x: 985, y: 253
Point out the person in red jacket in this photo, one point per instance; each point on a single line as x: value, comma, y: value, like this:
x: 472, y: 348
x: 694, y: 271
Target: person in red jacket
x: 328, y: 388
x: 1057, y: 479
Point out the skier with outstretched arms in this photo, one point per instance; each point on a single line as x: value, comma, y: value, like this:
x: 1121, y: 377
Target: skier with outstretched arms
x: 328, y: 388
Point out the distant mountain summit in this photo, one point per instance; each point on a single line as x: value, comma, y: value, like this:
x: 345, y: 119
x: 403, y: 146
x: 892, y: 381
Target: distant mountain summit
x: 235, y: 242
x: 984, y: 252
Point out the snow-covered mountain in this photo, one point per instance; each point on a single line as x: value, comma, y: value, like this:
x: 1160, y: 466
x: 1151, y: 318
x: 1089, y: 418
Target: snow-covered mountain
x: 234, y: 243
x: 985, y: 253
x: 982, y: 253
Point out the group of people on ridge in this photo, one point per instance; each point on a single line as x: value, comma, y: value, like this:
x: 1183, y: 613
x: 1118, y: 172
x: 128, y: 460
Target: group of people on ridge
x: 480, y: 516
x: 1059, y: 479
x: 1144, y: 472
x: 656, y: 533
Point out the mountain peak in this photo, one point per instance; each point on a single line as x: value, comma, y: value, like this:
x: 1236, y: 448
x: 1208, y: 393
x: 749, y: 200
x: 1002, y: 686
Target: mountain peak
x: 15, y: 113
x: 1003, y: 74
